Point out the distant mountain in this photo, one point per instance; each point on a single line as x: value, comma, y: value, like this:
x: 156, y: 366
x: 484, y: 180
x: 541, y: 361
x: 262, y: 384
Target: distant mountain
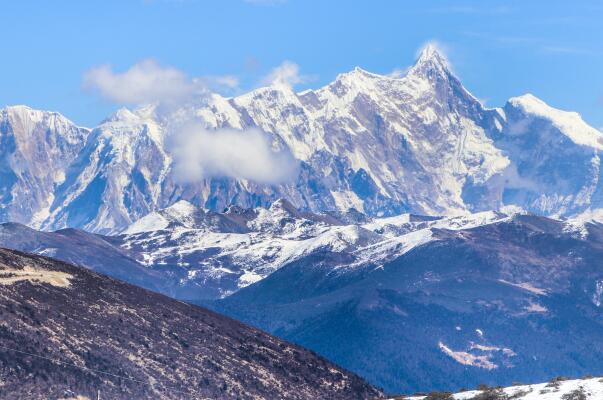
x: 382, y: 145
x: 67, y: 332
x: 196, y: 255
x: 514, y: 300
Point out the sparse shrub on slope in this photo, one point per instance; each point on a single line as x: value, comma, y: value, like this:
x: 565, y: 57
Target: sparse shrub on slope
x: 439, y: 396
x: 577, y: 394
x: 491, y: 394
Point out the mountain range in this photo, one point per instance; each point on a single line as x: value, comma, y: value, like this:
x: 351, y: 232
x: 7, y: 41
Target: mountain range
x: 197, y: 255
x: 414, y: 237
x: 420, y: 143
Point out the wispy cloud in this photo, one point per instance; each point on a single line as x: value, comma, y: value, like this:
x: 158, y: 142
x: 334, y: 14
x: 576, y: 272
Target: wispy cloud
x: 535, y: 43
x: 288, y: 73
x: 471, y: 9
x: 149, y: 82
x: 265, y: 2
x: 565, y: 50
x: 221, y: 84
x: 398, y: 72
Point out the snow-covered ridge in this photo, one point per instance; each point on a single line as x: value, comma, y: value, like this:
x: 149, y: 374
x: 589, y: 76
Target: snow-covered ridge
x: 557, y: 389
x: 570, y: 123
x: 179, y: 212
x: 238, y: 247
x: 246, y: 245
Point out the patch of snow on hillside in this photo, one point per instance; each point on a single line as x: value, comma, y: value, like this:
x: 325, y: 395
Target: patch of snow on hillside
x: 148, y: 223
x: 592, y: 388
x: 348, y: 199
x: 526, y: 286
x: 465, y: 358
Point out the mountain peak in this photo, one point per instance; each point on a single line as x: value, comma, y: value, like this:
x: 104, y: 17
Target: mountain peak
x: 23, y: 111
x: 429, y: 51
x: 433, y: 54
x: 285, y: 205
x: 355, y: 73
x: 431, y: 60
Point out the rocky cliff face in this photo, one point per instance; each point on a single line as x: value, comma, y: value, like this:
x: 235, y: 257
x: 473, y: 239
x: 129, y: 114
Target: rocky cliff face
x: 420, y: 143
x: 68, y: 332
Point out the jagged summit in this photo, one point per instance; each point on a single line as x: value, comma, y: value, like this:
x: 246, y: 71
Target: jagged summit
x: 431, y: 53
x: 136, y: 115
x: 431, y: 63
x: 430, y: 59
x: 20, y: 108
x: 359, y: 73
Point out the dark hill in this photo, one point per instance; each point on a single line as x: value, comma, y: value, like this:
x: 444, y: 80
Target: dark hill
x: 66, y: 331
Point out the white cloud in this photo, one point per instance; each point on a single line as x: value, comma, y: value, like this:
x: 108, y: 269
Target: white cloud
x: 472, y: 10
x: 565, y: 50
x: 398, y: 72
x: 226, y: 81
x: 144, y: 82
x: 148, y: 82
x: 285, y: 74
x: 201, y: 153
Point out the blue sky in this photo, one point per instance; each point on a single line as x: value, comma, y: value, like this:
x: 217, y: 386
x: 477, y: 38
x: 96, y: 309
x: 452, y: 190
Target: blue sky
x: 499, y: 49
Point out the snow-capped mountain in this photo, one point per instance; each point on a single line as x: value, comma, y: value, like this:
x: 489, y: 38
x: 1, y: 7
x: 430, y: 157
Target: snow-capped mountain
x: 197, y: 255
x: 420, y: 143
x: 224, y: 252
